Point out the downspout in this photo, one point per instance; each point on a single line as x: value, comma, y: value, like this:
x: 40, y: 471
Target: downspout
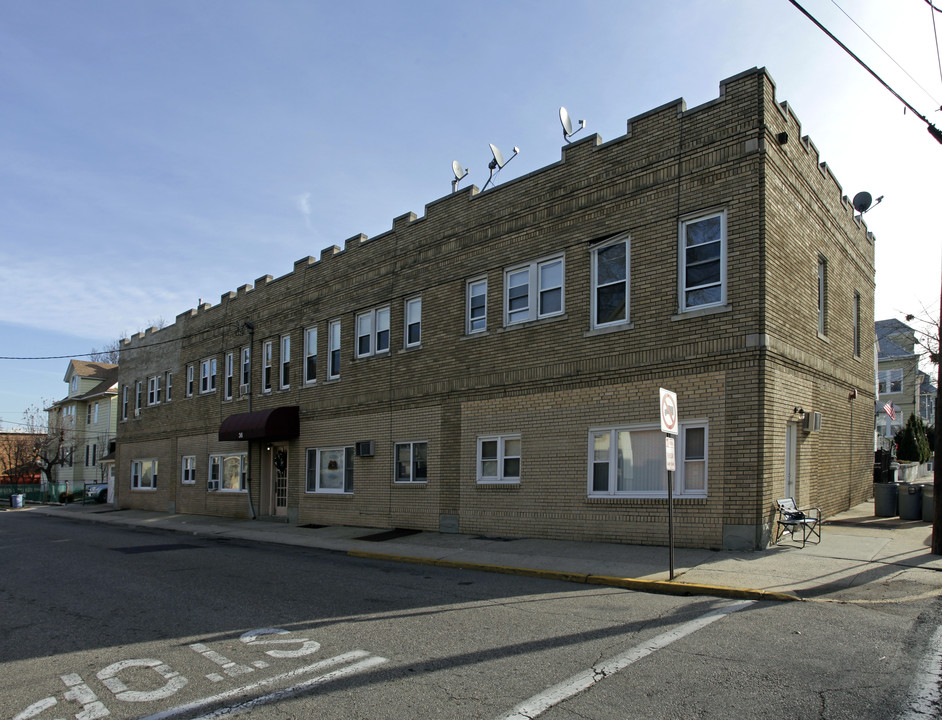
x: 248, y: 453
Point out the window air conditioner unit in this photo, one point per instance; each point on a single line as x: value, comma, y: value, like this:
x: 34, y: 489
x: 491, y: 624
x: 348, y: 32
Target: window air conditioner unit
x: 212, y: 485
x: 137, y: 412
x: 364, y: 448
x: 243, y: 390
x: 812, y: 422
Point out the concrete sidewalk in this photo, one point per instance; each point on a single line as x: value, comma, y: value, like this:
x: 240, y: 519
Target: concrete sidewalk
x: 861, y: 558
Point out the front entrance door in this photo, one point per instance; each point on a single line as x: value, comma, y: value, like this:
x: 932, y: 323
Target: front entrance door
x: 279, y: 460
x: 791, y: 459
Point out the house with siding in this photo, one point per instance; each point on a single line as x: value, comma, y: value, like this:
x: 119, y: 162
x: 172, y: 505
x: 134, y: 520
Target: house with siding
x: 494, y: 366
x: 898, y: 375
x: 87, y: 419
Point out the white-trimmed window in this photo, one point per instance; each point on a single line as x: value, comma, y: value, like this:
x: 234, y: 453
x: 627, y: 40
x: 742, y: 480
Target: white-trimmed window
x: 229, y: 370
x: 266, y: 366
x: 91, y: 413
x: 310, y: 355
x: 153, y: 390
x: 168, y: 382
x: 411, y: 462
x: 703, y: 261
x: 91, y: 455
x: 333, y: 350
x: 227, y: 472
x: 413, y: 322
x: 534, y: 291
x: 498, y: 459
x: 208, y: 375
x: 631, y: 462
x: 138, y: 397
x: 330, y: 470
x: 125, y: 393
x: 189, y: 380
x: 822, y: 296
x: 476, y: 318
x: 611, y: 285
x: 890, y: 381
x: 373, y: 332
x: 284, y: 375
x: 188, y: 470
x: 144, y: 474
x: 246, y: 374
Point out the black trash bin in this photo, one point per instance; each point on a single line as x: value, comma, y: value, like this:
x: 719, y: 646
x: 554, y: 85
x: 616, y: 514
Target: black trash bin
x: 928, y: 502
x: 885, y: 499
x: 910, y: 501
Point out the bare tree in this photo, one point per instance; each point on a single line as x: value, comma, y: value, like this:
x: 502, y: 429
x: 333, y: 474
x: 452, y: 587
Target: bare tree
x: 52, y: 439
x: 109, y: 353
x: 18, y: 458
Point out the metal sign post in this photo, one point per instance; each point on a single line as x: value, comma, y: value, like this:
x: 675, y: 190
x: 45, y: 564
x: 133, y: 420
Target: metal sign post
x: 669, y: 426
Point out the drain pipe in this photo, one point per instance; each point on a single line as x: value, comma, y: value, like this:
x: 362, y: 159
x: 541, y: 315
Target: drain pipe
x: 248, y: 454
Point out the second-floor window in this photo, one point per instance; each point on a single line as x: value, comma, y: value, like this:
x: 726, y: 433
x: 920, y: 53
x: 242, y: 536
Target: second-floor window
x: 333, y: 350
x: 168, y: 382
x: 703, y: 261
x: 413, y: 322
x: 856, y: 321
x: 208, y: 375
x: 310, y: 355
x: 124, y: 402
x: 153, y: 390
x: 822, y: 296
x: 476, y: 320
x: 230, y: 370
x: 285, y: 358
x: 246, y: 369
x: 189, y: 380
x: 610, y: 283
x: 266, y: 366
x: 533, y: 291
x: 890, y: 381
x: 373, y: 332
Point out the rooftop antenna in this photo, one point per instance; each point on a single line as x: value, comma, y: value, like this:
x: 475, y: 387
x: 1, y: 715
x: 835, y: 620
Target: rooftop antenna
x: 497, y: 163
x: 460, y: 173
x: 863, y: 201
x: 566, y: 122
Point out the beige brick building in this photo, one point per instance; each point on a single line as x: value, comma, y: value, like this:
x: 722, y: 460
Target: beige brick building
x: 493, y: 367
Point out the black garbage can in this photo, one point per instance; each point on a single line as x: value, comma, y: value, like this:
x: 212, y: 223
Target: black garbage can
x: 928, y: 502
x: 885, y: 499
x: 910, y: 501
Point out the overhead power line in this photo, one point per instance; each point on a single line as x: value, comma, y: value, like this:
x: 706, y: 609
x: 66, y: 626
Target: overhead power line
x: 933, y: 130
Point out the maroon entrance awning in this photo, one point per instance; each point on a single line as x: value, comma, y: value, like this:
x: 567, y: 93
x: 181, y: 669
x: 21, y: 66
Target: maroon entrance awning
x: 280, y: 423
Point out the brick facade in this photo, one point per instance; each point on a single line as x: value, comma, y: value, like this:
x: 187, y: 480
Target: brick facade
x: 740, y: 363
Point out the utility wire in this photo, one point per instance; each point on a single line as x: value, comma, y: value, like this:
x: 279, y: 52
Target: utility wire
x: 933, y: 130
x: 929, y: 94
x: 935, y: 34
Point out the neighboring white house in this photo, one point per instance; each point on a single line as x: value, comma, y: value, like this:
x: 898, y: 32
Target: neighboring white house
x: 88, y: 416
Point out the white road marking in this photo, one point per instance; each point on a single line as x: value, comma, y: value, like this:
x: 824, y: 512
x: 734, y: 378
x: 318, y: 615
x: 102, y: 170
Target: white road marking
x: 230, y: 667
x: 296, y: 689
x: 924, y: 697
x: 540, y: 703
x: 316, y: 667
x: 108, y: 677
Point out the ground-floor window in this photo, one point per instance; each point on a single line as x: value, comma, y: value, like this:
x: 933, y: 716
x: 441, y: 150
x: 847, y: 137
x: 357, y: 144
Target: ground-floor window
x: 144, y: 474
x: 630, y: 461
x: 499, y: 459
x: 330, y: 470
x: 188, y: 471
x: 411, y: 462
x: 227, y: 472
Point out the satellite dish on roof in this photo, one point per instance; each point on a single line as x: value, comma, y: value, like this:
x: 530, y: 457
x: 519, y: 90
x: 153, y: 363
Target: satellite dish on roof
x: 498, y: 162
x: 566, y: 122
x: 459, y: 172
x: 862, y: 201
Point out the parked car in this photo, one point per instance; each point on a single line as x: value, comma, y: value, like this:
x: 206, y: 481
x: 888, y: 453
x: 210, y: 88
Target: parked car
x: 97, y: 492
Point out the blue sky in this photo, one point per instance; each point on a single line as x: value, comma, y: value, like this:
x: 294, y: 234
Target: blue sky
x: 158, y: 153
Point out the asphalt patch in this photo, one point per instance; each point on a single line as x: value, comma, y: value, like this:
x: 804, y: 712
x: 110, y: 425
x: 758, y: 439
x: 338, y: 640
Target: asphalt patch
x: 388, y: 535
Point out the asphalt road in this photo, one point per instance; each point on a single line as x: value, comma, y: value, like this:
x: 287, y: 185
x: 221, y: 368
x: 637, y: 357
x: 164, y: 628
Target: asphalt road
x: 110, y: 622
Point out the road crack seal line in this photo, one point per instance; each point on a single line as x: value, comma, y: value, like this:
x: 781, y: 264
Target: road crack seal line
x: 538, y: 704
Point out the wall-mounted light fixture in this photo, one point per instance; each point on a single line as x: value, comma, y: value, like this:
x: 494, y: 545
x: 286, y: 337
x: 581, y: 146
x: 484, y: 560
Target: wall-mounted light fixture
x: 800, y: 412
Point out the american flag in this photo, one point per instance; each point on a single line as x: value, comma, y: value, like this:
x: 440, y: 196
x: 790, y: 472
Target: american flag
x: 888, y: 409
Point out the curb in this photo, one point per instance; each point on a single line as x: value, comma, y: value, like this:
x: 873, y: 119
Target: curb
x: 664, y: 587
